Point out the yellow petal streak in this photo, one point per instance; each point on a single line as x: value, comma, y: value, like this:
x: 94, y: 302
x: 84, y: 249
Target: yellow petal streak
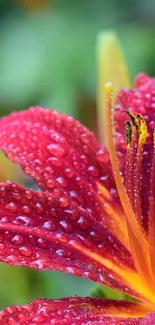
x: 129, y: 277
x: 132, y: 310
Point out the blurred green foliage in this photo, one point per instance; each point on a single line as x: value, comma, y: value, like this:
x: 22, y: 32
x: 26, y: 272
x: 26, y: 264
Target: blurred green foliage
x: 48, y: 57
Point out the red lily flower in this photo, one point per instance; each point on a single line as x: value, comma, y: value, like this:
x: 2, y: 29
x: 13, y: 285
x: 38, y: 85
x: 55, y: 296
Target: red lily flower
x: 85, y: 220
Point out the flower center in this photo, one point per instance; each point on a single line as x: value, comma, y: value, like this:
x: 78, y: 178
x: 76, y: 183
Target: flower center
x: 141, y: 244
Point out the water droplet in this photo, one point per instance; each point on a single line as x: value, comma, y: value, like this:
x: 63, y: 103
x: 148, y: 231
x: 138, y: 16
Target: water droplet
x: 63, y: 202
x: 21, y: 318
x: 49, y: 170
x: 85, y: 149
x: 83, y: 223
x: 39, y: 319
x: 56, y: 150
x: 50, y: 225
x: 5, y: 219
x: 84, y: 159
x: 12, y: 207
x: 12, y: 259
x: 41, y: 243
x: 97, y: 237
x: 58, y: 123
x: 1, y: 247
x: 73, y: 194
x: 2, y: 192
x: 76, y: 165
x: 24, y: 220
x: 61, y: 181
x: 71, y: 214
x: 102, y: 156
x: 29, y: 195
x: 11, y: 321
x: 93, y: 171
x: 53, y: 212
x: 33, y: 145
x: 26, y: 209
x: 66, y: 226
x: 50, y: 183
x: 55, y: 136
x: 39, y: 207
x: 84, y: 138
x: 56, y: 192
x: 39, y: 170
x: 69, y: 172
x: 25, y: 251
x: 55, y: 161
x: 60, y: 252
x: 38, y: 162
x: 18, y: 239
x: 79, y: 180
x: 32, y: 239
x: 17, y: 196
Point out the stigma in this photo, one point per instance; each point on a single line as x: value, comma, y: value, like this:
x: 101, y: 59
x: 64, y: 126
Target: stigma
x: 129, y: 189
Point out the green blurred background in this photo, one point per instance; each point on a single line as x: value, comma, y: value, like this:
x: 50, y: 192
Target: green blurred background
x: 48, y: 57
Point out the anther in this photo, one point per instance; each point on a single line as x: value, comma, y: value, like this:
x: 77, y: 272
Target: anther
x: 128, y: 130
x: 143, y: 133
x: 133, y: 118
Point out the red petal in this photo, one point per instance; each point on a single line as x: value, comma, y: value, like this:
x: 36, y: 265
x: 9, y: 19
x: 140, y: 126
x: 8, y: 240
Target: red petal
x: 48, y: 145
x: 148, y: 319
x: 37, y: 231
x: 64, y: 156
x: 77, y: 311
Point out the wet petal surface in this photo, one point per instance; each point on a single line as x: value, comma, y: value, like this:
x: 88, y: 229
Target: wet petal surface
x: 64, y: 156
x: 140, y: 100
x: 37, y: 231
x: 148, y: 319
x: 77, y: 311
x: 54, y: 149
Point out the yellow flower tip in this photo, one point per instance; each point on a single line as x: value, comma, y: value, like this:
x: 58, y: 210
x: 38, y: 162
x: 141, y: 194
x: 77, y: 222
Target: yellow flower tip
x: 111, y: 66
x: 108, y: 88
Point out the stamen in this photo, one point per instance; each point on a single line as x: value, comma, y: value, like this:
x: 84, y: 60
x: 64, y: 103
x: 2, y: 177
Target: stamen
x: 137, y: 188
x: 143, y: 133
x: 129, y: 167
x: 152, y: 211
x: 128, y: 130
x: 133, y: 117
x: 118, y: 179
x: 138, y: 242
x: 140, y: 128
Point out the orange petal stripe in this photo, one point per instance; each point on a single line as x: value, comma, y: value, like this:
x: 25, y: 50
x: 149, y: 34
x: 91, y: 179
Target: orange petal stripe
x: 116, y: 221
x: 130, y: 278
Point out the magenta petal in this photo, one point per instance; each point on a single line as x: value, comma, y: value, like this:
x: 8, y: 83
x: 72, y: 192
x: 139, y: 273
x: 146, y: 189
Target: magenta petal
x: 71, y: 311
x: 149, y: 319
x: 140, y: 100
